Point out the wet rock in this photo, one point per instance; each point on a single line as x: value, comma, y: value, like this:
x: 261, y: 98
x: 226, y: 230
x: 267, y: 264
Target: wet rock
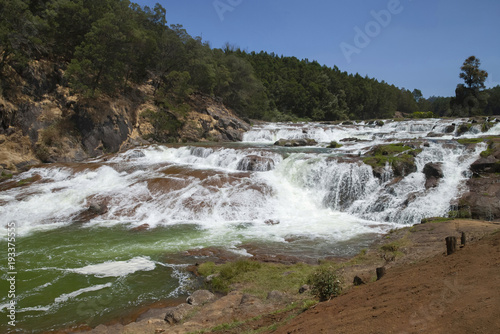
x: 463, y: 128
x: 174, y: 315
x: 200, y: 297
x: 140, y: 228
x: 271, y: 222
x: 432, y: 169
x: 435, y: 135
x: 255, y: 163
x: 450, y: 129
x: 433, y: 173
x: 296, y: 142
x: 488, y: 164
x: 97, y: 208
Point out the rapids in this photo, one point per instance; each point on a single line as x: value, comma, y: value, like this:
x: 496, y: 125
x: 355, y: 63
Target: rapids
x: 75, y: 266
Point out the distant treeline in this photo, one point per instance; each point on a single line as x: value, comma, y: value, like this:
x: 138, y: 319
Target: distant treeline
x: 109, y: 46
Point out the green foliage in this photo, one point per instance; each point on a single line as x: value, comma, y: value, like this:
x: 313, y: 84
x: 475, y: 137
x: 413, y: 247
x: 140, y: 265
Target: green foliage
x: 422, y: 114
x: 108, y: 46
x: 390, y: 149
x: 473, y: 76
x: 334, y: 144
x: 165, y: 124
x: 227, y: 273
x: 5, y: 176
x: 325, y: 283
x: 468, y: 141
x: 258, y: 278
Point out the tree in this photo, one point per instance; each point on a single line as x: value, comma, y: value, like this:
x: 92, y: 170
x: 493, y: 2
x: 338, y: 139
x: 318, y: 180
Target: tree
x: 473, y: 76
x: 469, y: 99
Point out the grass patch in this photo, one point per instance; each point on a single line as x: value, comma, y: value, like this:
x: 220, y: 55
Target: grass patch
x: 5, y: 176
x: 392, y: 250
x: 435, y: 220
x: 467, y: 141
x: 258, y: 278
x: 25, y: 181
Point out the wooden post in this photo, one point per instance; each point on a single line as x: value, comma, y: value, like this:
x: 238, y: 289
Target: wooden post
x: 463, y: 239
x: 451, y: 245
x: 380, y: 272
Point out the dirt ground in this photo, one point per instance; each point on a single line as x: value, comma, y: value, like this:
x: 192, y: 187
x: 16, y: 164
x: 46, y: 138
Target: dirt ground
x: 459, y: 293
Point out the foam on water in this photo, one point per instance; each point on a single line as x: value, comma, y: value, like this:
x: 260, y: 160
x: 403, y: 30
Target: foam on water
x: 65, y: 296
x: 116, y: 268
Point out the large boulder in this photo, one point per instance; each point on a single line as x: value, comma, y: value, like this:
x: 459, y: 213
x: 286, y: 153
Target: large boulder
x: 255, y: 163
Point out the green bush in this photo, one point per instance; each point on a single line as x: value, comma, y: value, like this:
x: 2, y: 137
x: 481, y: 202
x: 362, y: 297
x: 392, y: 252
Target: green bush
x: 422, y: 114
x: 334, y: 144
x: 325, y: 283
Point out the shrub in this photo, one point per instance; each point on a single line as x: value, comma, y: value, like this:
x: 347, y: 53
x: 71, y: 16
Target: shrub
x: 334, y: 144
x: 325, y: 283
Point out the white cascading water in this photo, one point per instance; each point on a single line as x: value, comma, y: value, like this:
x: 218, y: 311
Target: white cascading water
x: 310, y: 202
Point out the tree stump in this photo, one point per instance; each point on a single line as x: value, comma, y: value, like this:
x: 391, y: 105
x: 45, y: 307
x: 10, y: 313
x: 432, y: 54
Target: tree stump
x: 380, y: 272
x: 451, y: 245
x: 463, y: 239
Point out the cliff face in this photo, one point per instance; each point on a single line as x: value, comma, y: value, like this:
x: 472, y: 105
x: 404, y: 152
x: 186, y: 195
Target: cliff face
x: 41, y: 121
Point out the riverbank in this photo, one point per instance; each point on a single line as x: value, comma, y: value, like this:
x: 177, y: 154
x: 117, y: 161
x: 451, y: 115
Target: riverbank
x: 422, y: 285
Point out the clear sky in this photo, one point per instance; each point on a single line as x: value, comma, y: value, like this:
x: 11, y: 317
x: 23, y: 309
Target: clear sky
x: 409, y: 43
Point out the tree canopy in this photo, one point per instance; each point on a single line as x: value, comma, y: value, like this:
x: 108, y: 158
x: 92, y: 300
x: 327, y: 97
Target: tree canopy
x: 470, y: 99
x: 110, y: 46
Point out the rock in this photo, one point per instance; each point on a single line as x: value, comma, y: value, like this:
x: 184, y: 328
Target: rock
x: 358, y: 281
x: 255, y: 163
x: 200, y: 297
x: 432, y: 169
x: 462, y: 128
x: 450, y: 129
x: 482, y: 199
x: 210, y: 278
x: 271, y: 222
x: 277, y: 296
x: 490, y: 164
x: 304, y: 288
x: 431, y: 183
x: 174, y: 315
x: 295, y: 142
x: 433, y: 172
x: 435, y: 135
x: 97, y: 208
x: 140, y: 228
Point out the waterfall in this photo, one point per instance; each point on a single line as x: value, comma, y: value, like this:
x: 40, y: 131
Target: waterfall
x: 102, y: 231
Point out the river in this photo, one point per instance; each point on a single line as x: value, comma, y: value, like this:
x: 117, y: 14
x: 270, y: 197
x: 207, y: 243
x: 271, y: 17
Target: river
x: 77, y: 266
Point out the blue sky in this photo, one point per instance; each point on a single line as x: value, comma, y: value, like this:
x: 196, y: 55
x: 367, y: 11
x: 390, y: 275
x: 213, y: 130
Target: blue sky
x: 409, y: 43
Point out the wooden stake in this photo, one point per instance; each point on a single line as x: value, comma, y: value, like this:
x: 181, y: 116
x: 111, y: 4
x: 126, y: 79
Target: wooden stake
x: 380, y: 272
x: 451, y: 245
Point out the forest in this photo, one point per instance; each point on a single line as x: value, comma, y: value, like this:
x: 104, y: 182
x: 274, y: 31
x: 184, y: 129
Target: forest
x: 110, y: 46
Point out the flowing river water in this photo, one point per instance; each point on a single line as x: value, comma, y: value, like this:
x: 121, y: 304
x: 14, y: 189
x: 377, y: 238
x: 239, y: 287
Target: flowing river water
x: 310, y: 202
